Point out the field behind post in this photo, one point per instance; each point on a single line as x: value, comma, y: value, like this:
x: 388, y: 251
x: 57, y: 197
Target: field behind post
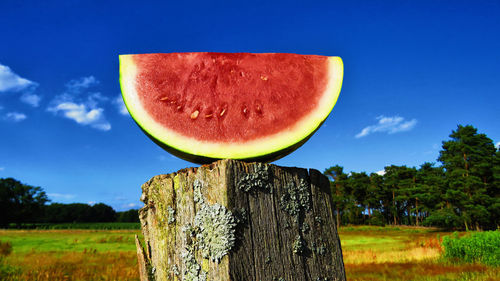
x: 404, y: 253
x: 370, y: 253
x: 72, y: 254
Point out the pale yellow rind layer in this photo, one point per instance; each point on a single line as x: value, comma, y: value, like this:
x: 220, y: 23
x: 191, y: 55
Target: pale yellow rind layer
x: 250, y: 149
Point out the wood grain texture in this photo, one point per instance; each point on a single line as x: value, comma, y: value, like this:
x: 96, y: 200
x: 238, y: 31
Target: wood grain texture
x: 280, y: 219
x: 141, y: 261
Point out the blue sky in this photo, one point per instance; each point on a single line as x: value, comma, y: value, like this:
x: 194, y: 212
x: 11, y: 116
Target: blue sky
x: 413, y: 71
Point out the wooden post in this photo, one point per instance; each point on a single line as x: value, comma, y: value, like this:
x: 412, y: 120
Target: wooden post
x: 239, y: 221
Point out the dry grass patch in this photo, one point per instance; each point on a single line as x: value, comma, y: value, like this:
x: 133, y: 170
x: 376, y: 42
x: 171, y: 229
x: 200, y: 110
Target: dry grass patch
x: 407, y: 255
x: 86, y: 265
x: 426, y: 271
x: 381, y: 245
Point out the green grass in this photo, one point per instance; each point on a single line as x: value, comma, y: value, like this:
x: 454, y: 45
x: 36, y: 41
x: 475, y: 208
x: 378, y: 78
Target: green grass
x: 382, y: 239
x: 482, y: 247
x: 369, y: 243
x: 24, y: 241
x: 399, y: 229
x: 79, y: 225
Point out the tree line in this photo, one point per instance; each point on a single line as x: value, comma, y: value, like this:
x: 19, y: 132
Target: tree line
x: 21, y: 204
x: 462, y: 191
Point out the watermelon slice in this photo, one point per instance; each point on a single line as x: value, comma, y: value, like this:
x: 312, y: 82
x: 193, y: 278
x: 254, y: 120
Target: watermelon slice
x: 207, y: 106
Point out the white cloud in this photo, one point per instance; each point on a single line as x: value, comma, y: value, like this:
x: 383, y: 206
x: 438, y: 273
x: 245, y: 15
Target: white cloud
x: 59, y: 196
x: 31, y: 99
x: 91, y: 202
x: 10, y: 81
x: 15, y: 116
x: 390, y: 125
x: 82, y: 114
x: 2, y: 168
x: 132, y: 205
x: 497, y: 145
x: 380, y: 173
x: 85, y: 108
x: 77, y: 85
x: 97, y: 97
x: 118, y: 101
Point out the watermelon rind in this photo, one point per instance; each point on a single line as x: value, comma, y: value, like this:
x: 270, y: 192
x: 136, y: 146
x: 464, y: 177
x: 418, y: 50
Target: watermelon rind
x: 265, y: 149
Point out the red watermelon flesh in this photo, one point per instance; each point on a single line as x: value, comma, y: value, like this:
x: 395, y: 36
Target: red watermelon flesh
x: 214, y: 105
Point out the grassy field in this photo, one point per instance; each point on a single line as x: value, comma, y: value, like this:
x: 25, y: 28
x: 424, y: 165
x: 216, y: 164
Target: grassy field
x: 70, y: 255
x: 370, y: 253
x: 404, y: 253
x: 79, y: 225
x: 24, y: 241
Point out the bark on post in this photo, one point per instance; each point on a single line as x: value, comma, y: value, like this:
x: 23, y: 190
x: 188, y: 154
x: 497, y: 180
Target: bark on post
x: 239, y: 221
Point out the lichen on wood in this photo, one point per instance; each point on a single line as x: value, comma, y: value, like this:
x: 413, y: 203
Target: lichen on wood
x: 171, y: 215
x: 215, y: 226
x: 192, y: 269
x: 296, y: 199
x: 298, y: 245
x: 260, y: 179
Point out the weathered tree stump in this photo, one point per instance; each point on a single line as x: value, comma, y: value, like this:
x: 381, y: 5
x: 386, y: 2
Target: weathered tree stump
x: 232, y: 220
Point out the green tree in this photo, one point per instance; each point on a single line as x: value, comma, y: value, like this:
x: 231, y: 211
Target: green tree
x: 20, y: 203
x: 102, y: 213
x: 391, y: 192
x: 430, y: 189
x: 494, y: 192
x: 128, y: 216
x: 373, y: 199
x: 359, y: 183
x: 338, y: 181
x: 407, y: 189
x: 74, y: 212
x: 468, y: 159
x: 79, y: 212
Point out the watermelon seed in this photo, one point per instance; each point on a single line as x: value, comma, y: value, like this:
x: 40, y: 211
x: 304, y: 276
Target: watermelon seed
x: 263, y: 77
x: 164, y: 99
x: 258, y: 107
x: 209, y: 114
x: 194, y: 115
x: 245, y: 111
x: 223, y: 109
x: 180, y: 105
